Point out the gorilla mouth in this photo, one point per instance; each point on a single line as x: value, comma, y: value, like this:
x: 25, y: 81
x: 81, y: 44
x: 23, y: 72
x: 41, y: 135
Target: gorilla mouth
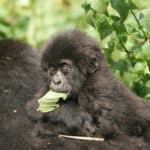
x: 65, y: 88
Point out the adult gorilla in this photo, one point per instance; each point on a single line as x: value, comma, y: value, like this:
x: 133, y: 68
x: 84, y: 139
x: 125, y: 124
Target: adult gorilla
x: 19, y: 81
x: 98, y: 104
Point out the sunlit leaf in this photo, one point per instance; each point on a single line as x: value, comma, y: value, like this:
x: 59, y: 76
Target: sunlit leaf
x: 121, y: 31
x: 86, y: 6
x: 103, y: 27
x: 121, y: 6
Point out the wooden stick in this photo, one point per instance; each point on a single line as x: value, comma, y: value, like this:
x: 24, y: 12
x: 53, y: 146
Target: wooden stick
x: 81, y: 138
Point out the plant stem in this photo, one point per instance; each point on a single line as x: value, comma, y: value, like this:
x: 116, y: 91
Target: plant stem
x: 139, y: 24
x: 127, y: 52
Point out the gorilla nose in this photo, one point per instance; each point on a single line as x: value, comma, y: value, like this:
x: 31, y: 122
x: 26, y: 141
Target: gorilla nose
x: 56, y: 82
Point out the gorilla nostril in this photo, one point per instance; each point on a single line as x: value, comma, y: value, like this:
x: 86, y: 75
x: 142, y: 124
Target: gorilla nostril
x: 57, y: 82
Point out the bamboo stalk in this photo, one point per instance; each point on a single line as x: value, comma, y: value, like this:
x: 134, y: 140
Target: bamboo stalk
x: 81, y: 138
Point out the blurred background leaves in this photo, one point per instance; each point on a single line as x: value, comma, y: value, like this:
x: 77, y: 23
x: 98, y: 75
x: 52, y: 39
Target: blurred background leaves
x: 35, y: 20
x: 122, y: 26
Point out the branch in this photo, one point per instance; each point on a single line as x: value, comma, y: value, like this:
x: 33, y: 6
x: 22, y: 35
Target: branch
x: 125, y: 49
x: 139, y: 24
x: 81, y: 138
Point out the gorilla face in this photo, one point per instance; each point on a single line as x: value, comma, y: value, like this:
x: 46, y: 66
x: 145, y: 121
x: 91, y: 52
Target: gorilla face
x: 69, y: 59
x: 64, y: 76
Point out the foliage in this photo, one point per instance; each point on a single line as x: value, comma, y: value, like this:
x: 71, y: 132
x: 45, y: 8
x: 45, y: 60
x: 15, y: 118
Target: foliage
x: 123, y: 27
x: 124, y: 30
x: 35, y: 20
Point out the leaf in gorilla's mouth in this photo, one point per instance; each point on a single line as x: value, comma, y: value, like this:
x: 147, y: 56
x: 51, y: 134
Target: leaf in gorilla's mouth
x: 49, y: 101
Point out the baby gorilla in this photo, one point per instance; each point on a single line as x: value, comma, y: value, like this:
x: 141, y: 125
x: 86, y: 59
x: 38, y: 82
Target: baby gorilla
x: 98, y: 104
x: 68, y: 66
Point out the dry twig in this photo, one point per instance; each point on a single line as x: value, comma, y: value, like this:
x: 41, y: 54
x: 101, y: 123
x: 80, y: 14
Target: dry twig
x: 81, y: 138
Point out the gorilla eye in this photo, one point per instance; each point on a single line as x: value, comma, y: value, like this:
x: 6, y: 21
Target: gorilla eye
x: 65, y: 68
x: 51, y: 70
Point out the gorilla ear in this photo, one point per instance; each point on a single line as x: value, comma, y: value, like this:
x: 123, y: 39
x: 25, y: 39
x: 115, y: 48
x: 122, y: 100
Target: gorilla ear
x: 93, y: 64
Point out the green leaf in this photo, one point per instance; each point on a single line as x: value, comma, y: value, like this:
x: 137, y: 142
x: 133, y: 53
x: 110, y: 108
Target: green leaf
x: 4, y: 22
x: 2, y: 35
x: 121, y: 65
x: 49, y: 101
x: 147, y: 96
x: 139, y: 88
x: 132, y: 5
x: 141, y: 16
x: 141, y: 67
x: 99, y: 5
x: 90, y: 19
x: 145, y: 52
x: 128, y: 78
x: 86, y: 6
x: 104, y: 27
x: 121, y: 6
x: 121, y: 31
x: 111, y: 45
x: 141, y: 4
x: 146, y: 21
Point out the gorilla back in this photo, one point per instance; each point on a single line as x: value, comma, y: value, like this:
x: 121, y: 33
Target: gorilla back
x: 19, y: 81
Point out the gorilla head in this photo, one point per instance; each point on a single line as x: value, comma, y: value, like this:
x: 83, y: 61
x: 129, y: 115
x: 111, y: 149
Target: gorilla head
x: 69, y: 59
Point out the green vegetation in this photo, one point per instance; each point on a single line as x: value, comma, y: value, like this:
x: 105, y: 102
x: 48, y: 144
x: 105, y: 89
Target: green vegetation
x: 35, y: 20
x: 122, y: 26
x: 49, y: 101
x: 124, y: 29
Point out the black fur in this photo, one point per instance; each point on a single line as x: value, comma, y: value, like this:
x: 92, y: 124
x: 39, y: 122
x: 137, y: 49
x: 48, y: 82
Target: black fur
x: 103, y: 105
x: 19, y: 82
